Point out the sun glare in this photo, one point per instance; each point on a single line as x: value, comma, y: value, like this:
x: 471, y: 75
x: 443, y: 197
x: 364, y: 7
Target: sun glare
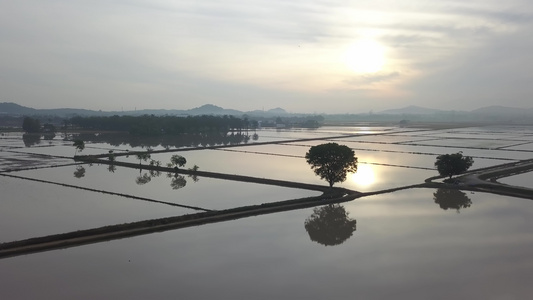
x: 365, y: 56
x: 364, y: 175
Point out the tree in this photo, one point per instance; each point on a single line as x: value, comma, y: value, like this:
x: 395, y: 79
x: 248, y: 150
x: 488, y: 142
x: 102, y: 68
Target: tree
x: 453, y: 164
x: 49, y: 128
x: 143, y: 156
x: 31, y: 125
x: 451, y: 199
x: 80, y: 145
x: 177, y: 160
x: 330, y: 225
x: 111, y: 156
x: 194, y: 176
x: 332, y: 161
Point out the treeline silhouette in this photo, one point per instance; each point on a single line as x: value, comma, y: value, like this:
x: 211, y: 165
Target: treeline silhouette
x: 151, y: 125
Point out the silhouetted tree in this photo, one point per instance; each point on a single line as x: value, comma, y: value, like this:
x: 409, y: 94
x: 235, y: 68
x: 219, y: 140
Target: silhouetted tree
x: 49, y: 136
x: 143, y: 157
x: 79, y: 146
x: 451, y: 199
x: 453, y: 164
x: 194, y: 176
x: 150, y: 125
x: 332, y: 161
x: 111, y: 156
x: 49, y: 128
x: 31, y: 125
x: 330, y: 225
x: 154, y: 173
x: 177, y: 161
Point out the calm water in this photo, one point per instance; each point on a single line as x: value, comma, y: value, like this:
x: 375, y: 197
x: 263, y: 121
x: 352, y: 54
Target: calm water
x: 411, y: 244
x: 524, y: 180
x: 405, y: 247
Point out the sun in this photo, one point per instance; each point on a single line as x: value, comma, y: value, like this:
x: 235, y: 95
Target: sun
x: 364, y: 176
x: 365, y: 56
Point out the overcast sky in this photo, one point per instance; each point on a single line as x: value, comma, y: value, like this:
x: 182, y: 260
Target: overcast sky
x: 313, y: 56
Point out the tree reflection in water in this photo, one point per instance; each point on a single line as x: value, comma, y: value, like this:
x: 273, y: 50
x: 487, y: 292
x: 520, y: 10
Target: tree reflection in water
x: 451, y: 199
x: 203, y: 139
x: 177, y: 182
x: 111, y: 168
x: 80, y: 172
x: 330, y: 225
x: 49, y: 136
x: 143, y: 178
x: 30, y: 139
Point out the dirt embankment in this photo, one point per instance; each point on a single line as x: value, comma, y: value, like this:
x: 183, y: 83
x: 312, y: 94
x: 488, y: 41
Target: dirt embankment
x: 485, y: 180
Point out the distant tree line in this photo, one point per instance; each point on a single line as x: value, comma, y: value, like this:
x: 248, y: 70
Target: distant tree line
x: 33, y: 125
x: 314, y: 121
x: 151, y: 125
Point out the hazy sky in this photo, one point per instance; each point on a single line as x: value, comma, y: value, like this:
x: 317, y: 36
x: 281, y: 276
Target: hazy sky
x: 323, y: 56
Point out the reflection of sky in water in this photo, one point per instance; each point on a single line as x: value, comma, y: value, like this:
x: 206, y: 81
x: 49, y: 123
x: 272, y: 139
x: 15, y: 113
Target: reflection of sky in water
x: 207, y: 193
x: 64, y: 150
x: 10, y: 160
x: 405, y: 247
x: 502, y: 153
x: 476, y: 143
x: 524, y: 179
x: 30, y: 209
x: 526, y: 147
x: 289, y: 168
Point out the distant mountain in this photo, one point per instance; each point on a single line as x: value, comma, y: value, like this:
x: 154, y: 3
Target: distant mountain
x: 410, y: 110
x: 210, y: 109
x: 277, y: 110
x: 9, y: 108
x: 500, y: 113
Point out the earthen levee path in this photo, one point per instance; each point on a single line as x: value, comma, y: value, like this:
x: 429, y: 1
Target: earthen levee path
x: 485, y: 180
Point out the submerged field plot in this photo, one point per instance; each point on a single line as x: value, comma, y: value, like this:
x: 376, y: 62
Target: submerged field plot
x: 417, y: 237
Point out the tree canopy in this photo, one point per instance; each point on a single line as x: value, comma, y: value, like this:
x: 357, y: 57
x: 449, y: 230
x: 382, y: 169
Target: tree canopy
x: 31, y: 125
x: 453, y: 164
x: 150, y: 125
x: 332, y: 161
x: 79, y: 145
x: 177, y: 161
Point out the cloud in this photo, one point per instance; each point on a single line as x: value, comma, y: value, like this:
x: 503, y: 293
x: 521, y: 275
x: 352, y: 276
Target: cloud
x: 496, y: 74
x: 366, y: 79
x: 241, y: 54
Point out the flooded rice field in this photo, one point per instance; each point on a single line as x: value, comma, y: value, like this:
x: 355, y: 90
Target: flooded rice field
x: 417, y: 243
